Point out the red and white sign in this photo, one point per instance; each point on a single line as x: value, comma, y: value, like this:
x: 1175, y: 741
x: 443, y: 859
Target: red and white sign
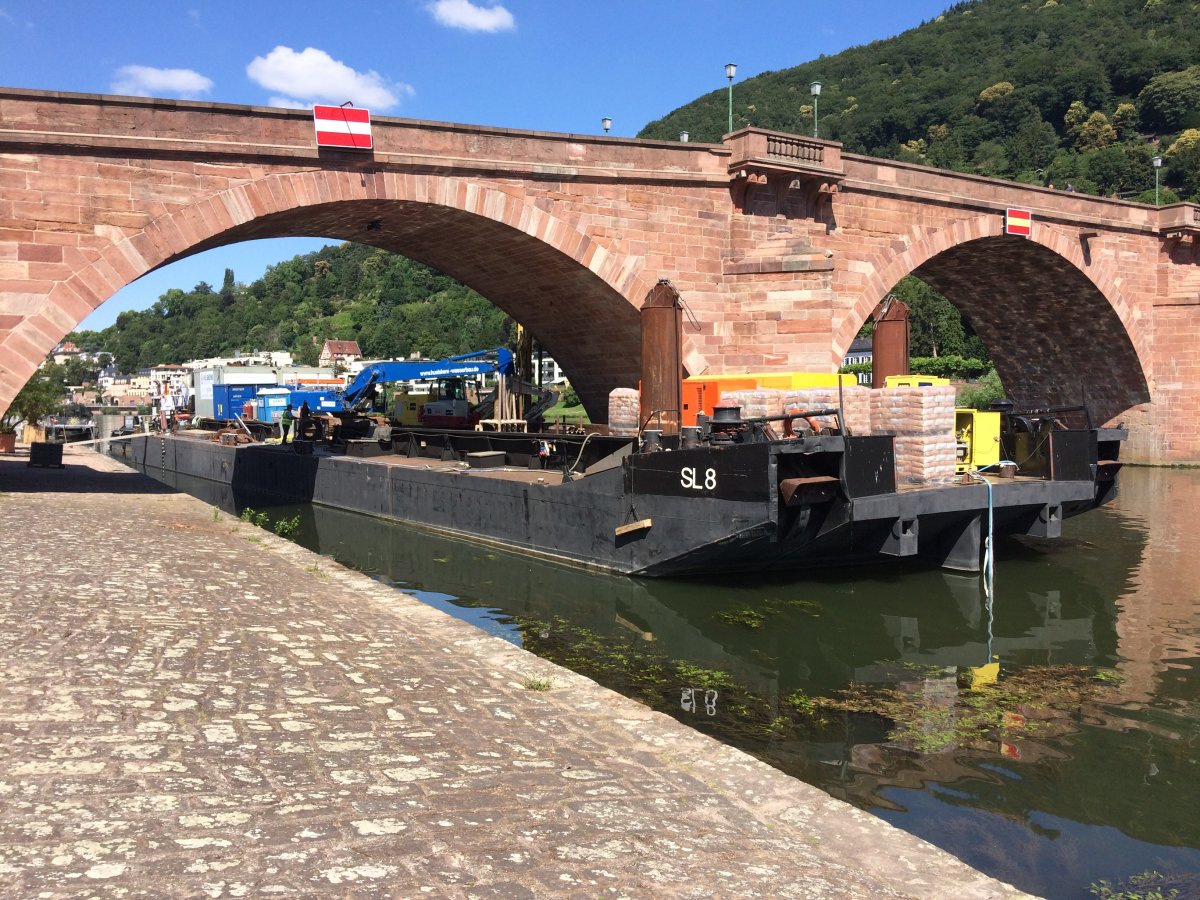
x: 1018, y: 221
x: 343, y: 126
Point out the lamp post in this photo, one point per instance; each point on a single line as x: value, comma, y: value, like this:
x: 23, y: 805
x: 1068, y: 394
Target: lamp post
x: 730, y: 71
x: 1157, y: 160
x: 606, y: 123
x: 815, y: 90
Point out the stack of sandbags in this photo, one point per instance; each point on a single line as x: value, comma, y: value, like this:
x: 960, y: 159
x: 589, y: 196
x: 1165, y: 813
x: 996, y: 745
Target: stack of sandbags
x: 755, y: 403
x: 922, y: 419
x: 624, y: 408
x: 856, y: 406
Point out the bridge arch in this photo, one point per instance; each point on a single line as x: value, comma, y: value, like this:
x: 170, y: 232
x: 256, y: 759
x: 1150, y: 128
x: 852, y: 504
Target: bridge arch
x: 1052, y: 316
x: 580, y: 299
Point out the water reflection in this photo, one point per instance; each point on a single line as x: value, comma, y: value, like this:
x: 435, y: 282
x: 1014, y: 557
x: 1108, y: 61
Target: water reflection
x: 1102, y: 784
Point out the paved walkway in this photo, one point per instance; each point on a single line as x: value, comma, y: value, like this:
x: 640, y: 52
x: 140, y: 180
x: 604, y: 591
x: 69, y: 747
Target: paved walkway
x: 190, y: 706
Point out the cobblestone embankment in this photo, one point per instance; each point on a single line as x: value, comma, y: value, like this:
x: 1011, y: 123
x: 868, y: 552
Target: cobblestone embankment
x: 191, y: 706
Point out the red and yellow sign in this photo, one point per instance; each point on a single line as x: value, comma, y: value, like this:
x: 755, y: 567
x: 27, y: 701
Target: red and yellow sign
x: 1018, y: 221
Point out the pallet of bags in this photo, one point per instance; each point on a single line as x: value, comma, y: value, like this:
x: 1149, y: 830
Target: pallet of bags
x: 925, y: 458
x: 855, y: 405
x: 922, y: 419
x: 624, y: 408
x: 755, y: 403
x: 913, y: 410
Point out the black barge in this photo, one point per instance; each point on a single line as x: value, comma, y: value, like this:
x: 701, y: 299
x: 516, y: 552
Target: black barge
x: 736, y: 497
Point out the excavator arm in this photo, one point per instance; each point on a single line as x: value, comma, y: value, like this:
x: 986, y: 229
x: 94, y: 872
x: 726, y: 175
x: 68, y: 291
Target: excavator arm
x: 481, y: 362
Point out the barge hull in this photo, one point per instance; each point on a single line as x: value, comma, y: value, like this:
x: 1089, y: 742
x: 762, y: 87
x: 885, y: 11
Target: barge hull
x: 618, y: 520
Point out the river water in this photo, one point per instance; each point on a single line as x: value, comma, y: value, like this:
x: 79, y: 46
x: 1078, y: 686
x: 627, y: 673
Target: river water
x: 1077, y: 762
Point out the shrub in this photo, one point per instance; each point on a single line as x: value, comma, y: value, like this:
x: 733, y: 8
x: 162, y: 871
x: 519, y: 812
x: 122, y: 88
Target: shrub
x: 984, y: 394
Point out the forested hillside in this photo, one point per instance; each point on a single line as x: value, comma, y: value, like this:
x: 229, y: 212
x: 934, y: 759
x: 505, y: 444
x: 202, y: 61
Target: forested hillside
x: 391, y: 305
x: 1044, y: 91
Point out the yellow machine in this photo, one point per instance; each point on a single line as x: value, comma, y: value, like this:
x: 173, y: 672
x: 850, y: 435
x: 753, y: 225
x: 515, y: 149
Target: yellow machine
x: 978, y: 434
x: 408, y: 407
x: 915, y: 381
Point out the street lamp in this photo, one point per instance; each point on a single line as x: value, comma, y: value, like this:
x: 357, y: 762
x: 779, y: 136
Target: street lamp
x: 1157, y: 160
x: 815, y: 90
x: 730, y: 71
x: 606, y: 123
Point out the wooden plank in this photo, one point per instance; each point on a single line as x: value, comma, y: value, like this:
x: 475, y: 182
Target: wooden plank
x: 639, y: 525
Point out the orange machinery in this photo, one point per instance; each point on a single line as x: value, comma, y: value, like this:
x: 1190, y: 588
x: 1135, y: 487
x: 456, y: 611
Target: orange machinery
x: 701, y: 393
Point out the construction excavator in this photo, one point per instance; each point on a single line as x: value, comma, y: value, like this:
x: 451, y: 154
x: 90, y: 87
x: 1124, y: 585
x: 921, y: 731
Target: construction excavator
x: 447, y: 404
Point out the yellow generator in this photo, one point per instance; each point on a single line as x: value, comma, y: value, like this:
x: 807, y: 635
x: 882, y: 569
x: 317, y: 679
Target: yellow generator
x: 978, y: 434
x: 915, y: 381
x: 408, y: 407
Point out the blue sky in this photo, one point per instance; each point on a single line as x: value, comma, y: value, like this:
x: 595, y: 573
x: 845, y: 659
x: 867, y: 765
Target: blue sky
x: 532, y: 64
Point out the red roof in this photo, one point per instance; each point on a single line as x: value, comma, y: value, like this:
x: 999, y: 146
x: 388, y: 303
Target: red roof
x: 341, y: 348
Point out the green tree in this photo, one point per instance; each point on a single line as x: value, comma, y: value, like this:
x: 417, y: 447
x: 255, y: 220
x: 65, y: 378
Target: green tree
x: 991, y: 94
x: 984, y: 394
x: 990, y: 158
x: 936, y: 327
x: 1125, y: 121
x: 1121, y: 169
x: 1183, y: 165
x: 227, y: 289
x: 1033, y: 146
x: 77, y: 370
x: 1076, y: 116
x: 42, y: 396
x: 1096, y: 133
x: 1171, y: 101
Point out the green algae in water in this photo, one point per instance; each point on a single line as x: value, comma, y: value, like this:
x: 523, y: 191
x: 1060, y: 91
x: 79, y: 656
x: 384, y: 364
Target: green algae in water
x: 928, y: 709
x: 746, y: 617
x: 933, y: 712
x: 709, y: 699
x: 1148, y: 885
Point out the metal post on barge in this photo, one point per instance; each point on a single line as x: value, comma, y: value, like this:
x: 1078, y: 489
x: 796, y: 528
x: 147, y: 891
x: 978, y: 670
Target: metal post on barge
x: 662, y: 358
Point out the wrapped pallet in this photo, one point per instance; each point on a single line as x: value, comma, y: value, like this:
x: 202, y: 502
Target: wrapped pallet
x: 755, y: 403
x: 624, y: 407
x: 922, y: 419
x: 760, y: 402
x: 855, y: 402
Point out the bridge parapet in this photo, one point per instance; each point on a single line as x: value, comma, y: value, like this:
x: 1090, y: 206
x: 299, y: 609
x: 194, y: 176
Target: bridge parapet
x: 1180, y: 220
x: 777, y: 152
x: 810, y: 165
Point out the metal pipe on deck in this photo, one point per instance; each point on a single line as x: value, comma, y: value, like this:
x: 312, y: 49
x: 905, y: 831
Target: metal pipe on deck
x: 662, y: 357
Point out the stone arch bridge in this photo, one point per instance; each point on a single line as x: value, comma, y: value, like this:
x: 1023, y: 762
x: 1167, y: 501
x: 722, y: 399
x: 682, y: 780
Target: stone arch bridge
x: 780, y: 245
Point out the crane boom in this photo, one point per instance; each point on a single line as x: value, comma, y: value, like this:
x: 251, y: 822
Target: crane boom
x: 481, y: 362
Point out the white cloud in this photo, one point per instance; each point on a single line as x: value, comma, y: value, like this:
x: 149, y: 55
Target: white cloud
x: 466, y: 15
x: 317, y: 77
x: 146, y: 81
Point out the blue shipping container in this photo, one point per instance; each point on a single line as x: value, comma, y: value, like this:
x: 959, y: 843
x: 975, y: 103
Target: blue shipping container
x: 229, y: 399
x: 271, y: 402
x: 318, y: 401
